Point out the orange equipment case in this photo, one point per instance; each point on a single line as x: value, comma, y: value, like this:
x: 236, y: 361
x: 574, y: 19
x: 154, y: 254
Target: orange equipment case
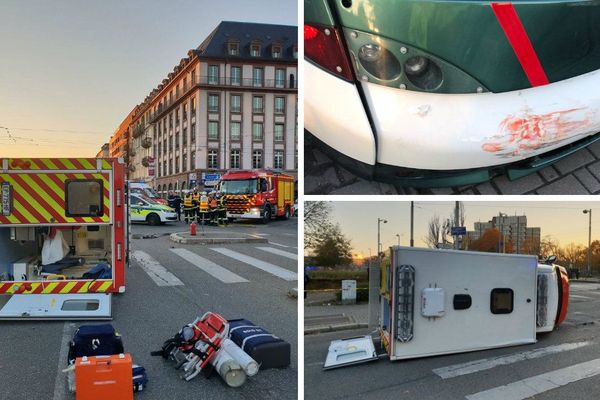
x: 104, y: 377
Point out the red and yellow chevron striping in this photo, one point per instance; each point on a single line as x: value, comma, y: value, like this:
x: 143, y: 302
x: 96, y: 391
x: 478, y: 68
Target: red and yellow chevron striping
x: 56, y: 287
x: 53, y: 164
x: 41, y: 198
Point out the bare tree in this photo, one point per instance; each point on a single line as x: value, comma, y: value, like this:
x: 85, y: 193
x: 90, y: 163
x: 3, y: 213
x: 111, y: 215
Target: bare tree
x: 574, y: 255
x: 316, y: 221
x: 434, y: 232
x: 549, y: 246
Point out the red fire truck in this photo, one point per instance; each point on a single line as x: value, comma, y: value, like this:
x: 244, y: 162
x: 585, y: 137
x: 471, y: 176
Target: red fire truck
x: 63, y: 237
x: 258, y: 194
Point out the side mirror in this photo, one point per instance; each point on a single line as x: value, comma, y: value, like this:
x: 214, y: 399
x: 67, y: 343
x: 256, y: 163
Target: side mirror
x: 550, y: 260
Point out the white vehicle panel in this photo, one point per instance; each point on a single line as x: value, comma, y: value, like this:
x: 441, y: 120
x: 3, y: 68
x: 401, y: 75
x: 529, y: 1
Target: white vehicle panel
x: 459, y: 131
x: 334, y: 113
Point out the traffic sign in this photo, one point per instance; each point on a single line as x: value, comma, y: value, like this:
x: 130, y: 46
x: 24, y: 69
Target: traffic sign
x: 458, y: 230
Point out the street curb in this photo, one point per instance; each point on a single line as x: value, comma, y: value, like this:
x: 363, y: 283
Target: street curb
x: 334, y: 328
x: 177, y: 238
x: 584, y: 280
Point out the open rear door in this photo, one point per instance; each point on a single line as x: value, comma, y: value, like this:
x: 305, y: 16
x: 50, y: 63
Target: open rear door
x: 351, y: 351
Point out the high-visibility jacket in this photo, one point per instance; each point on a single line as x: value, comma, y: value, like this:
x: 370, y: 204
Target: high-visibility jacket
x: 212, y: 203
x: 203, y: 203
x: 187, y: 201
x: 196, y: 198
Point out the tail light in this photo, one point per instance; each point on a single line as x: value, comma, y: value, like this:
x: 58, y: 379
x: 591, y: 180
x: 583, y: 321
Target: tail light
x: 323, y: 45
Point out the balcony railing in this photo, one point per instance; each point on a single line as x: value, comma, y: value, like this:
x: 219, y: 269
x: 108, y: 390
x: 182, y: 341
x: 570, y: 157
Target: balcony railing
x: 245, y: 83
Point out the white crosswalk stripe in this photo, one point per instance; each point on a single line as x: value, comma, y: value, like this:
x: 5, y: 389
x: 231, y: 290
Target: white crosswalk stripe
x: 535, y: 385
x: 279, y: 244
x: 155, y: 270
x: 471, y: 367
x: 222, y: 274
x: 255, y: 262
x: 282, y: 253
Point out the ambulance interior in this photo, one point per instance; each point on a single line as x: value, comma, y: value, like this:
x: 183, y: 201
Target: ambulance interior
x: 55, y: 253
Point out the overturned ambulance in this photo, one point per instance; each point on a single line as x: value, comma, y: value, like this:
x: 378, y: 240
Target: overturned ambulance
x: 435, y: 302
x: 63, y: 237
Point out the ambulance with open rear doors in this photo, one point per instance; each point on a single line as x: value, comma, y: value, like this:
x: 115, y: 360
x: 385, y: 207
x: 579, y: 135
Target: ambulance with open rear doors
x: 63, y: 237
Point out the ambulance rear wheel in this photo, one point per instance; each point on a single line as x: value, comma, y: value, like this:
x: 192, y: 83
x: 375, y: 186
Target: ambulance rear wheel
x: 266, y: 214
x: 153, y: 219
x: 286, y: 214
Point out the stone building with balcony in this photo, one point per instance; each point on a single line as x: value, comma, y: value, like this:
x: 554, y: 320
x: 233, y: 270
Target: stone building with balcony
x: 104, y: 151
x: 230, y: 104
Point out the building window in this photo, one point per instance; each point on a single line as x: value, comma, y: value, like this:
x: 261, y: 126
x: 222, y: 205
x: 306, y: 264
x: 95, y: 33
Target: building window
x: 279, y: 105
x: 278, y: 134
x: 158, y: 149
x: 235, y: 130
x: 176, y: 141
x: 165, y: 172
x: 236, y: 103
x: 213, y: 102
x: 278, y: 159
x: 213, y: 162
x: 170, y: 166
x: 184, y: 83
x: 170, y: 120
x: 257, y: 159
x: 255, y: 50
x: 176, y: 118
x: 501, y: 301
x: 185, y: 165
x: 213, y: 130
x: 258, y: 106
x: 280, y: 78
x: 276, y: 52
x: 193, y: 133
x: 235, y: 159
x: 213, y: 74
x: 177, y: 164
x: 257, y: 131
x: 184, y: 137
x: 184, y: 111
x: 233, y: 49
x: 193, y: 160
x: 177, y: 91
x: 193, y: 76
x: 193, y: 107
x: 257, y: 77
x: 236, y: 76
x: 170, y: 144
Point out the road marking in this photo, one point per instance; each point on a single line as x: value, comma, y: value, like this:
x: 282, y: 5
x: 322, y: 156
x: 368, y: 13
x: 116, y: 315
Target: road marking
x: 282, y: 253
x: 278, y: 244
x: 579, y: 297
x: 471, y: 367
x: 159, y: 274
x: 60, y: 382
x: 540, y: 383
x: 255, y: 262
x: 222, y: 274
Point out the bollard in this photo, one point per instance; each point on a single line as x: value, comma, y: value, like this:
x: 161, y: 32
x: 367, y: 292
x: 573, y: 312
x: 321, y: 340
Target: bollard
x: 193, y: 229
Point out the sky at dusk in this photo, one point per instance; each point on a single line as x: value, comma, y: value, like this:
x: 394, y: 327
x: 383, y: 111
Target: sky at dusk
x: 71, y: 70
x: 564, y: 221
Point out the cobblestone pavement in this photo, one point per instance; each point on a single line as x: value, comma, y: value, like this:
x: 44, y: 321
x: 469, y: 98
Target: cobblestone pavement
x: 578, y: 173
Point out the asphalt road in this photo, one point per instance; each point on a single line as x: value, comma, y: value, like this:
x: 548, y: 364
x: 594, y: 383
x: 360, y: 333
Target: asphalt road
x: 32, y: 353
x: 416, y: 379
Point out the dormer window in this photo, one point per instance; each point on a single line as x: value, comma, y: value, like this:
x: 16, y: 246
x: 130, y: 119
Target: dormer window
x: 295, y: 52
x: 276, y: 52
x: 255, y: 50
x: 233, y: 49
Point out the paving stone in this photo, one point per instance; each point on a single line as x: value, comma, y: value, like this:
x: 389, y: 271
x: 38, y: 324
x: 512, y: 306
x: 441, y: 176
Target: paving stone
x: 321, y: 184
x: 360, y: 187
x: 443, y: 190
x: 320, y: 157
x: 574, y: 161
x: 344, y: 175
x: 588, y: 180
x: 595, y: 149
x: 549, y: 173
x: 386, y: 188
x: 468, y: 192
x: 566, y: 185
x: 595, y: 169
x: 519, y: 186
x: 486, y: 188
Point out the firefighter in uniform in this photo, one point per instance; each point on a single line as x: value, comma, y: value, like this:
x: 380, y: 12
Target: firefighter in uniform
x: 212, y: 206
x: 203, y: 210
x: 189, y: 213
x: 221, y: 209
x: 196, y: 202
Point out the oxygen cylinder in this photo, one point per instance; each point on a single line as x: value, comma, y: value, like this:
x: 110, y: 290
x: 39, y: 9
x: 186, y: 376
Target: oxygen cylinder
x: 248, y: 364
x: 229, y: 369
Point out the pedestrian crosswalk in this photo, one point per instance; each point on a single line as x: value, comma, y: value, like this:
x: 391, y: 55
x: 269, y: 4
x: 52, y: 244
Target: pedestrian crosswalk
x: 528, y: 387
x: 218, y: 263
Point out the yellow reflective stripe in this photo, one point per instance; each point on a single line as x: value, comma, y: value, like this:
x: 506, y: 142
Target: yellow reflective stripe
x: 105, y: 286
x: 58, y: 208
x: 106, y: 165
x: 68, y: 163
x: 49, y: 287
x: 85, y: 287
x: 50, y: 164
x: 67, y: 288
x: 86, y: 163
x: 20, y: 208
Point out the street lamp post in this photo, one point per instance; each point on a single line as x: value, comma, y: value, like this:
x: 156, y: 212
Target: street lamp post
x: 398, y: 236
x: 589, y: 255
x: 379, y: 221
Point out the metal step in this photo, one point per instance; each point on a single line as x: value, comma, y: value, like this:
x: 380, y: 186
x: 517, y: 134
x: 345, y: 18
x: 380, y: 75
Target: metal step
x: 86, y: 306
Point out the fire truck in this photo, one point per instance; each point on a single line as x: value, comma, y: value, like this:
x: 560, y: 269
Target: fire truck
x: 63, y: 237
x: 258, y: 194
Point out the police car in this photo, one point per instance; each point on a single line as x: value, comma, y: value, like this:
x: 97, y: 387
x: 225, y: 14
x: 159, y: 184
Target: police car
x: 144, y: 209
